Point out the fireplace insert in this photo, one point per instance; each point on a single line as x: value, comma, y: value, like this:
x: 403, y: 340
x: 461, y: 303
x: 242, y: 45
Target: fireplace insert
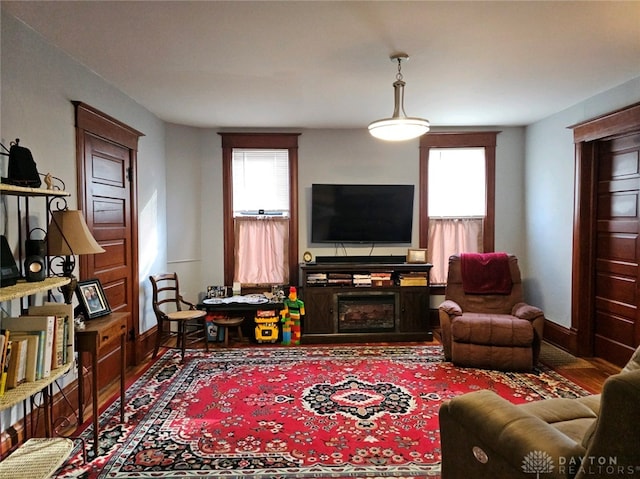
x: 366, y: 313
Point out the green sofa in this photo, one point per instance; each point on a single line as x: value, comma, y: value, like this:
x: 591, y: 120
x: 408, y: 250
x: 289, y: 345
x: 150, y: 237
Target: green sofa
x: 598, y: 436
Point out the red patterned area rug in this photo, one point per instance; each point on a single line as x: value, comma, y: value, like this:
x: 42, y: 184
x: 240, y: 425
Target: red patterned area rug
x: 293, y: 412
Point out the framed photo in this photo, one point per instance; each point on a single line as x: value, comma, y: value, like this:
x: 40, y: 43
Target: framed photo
x: 416, y: 255
x: 92, y: 299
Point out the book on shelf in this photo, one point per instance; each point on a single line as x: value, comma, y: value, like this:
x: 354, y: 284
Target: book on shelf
x: 16, y: 370
x: 2, y: 349
x: 64, y: 336
x: 6, y: 356
x: 361, y: 279
x: 381, y: 279
x: 340, y: 279
x: 317, y: 278
x: 33, y: 347
x: 38, y: 351
x: 36, y: 323
x: 414, y: 279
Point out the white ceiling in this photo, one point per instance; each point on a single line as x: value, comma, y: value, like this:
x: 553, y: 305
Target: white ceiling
x: 325, y: 64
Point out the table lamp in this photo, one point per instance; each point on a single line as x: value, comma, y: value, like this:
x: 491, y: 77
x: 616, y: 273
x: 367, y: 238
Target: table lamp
x: 68, y: 235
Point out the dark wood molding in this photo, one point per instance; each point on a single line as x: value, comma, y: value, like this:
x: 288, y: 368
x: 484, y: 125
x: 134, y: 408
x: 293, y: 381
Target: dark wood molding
x: 259, y: 140
x: 560, y: 336
x: 583, y: 262
x: 485, y: 139
x: 93, y: 121
x: 586, y: 134
x: 618, y: 122
x: 459, y: 139
x: 227, y: 215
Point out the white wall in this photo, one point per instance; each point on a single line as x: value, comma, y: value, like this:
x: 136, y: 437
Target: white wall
x: 180, y: 172
x: 183, y: 216
x: 351, y: 156
x: 324, y: 156
x: 549, y: 185
x: 38, y: 84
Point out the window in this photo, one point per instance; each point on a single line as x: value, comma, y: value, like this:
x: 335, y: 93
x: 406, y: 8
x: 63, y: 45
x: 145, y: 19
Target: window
x: 457, y: 214
x: 260, y: 182
x: 260, y: 208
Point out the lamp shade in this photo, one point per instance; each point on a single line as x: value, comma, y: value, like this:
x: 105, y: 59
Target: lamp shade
x: 69, y: 234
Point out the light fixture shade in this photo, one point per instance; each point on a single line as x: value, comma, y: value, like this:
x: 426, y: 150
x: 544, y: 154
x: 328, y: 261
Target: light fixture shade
x: 399, y: 127
x: 68, y: 235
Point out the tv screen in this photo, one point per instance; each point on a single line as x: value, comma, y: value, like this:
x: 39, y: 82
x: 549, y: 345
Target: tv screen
x: 361, y: 213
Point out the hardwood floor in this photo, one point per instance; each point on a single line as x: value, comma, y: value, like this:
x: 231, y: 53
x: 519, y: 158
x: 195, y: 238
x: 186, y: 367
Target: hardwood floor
x: 590, y: 373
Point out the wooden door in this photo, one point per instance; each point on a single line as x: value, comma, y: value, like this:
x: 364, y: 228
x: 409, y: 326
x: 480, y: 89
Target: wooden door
x: 617, y: 245
x: 106, y: 182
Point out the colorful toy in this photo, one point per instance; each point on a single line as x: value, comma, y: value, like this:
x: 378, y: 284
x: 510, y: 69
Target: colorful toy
x: 291, y: 316
x: 266, y: 326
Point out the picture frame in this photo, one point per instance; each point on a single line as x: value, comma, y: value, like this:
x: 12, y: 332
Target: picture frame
x: 417, y: 255
x: 93, y: 301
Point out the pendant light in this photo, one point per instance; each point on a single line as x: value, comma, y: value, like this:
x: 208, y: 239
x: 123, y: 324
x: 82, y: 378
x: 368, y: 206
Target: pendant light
x: 399, y: 127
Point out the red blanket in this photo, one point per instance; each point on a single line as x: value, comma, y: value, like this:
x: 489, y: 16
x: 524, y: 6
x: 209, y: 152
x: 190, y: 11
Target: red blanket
x: 485, y: 273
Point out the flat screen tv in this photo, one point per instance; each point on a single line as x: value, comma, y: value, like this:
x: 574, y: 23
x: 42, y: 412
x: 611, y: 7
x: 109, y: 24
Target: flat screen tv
x: 361, y: 213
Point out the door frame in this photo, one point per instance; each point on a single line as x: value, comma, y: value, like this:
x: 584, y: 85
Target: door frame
x: 91, y: 120
x: 586, y: 135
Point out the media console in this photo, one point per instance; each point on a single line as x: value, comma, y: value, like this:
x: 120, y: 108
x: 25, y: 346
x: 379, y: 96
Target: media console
x: 359, y: 302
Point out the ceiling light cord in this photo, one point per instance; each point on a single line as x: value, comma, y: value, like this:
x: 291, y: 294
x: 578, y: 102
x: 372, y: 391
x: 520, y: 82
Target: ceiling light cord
x: 398, y: 93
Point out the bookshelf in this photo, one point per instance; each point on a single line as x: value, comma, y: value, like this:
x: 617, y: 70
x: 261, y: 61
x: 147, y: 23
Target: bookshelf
x: 23, y: 288
x: 29, y: 458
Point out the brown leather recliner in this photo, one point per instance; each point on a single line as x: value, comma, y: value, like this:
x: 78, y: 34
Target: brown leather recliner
x: 483, y: 435
x: 490, y: 330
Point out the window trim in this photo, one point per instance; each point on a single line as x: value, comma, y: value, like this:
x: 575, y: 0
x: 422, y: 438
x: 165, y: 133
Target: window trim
x: 287, y: 141
x: 474, y: 139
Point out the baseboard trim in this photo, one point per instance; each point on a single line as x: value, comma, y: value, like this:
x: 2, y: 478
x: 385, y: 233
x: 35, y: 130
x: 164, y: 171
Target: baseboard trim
x: 11, y: 438
x: 561, y: 337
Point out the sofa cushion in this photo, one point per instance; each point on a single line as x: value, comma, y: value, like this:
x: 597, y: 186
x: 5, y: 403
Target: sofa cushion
x: 571, y: 417
x: 592, y: 402
x: 492, y: 329
x: 486, y: 356
x: 526, y: 311
x: 634, y: 362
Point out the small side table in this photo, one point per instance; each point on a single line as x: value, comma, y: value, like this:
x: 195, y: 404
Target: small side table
x: 97, y: 334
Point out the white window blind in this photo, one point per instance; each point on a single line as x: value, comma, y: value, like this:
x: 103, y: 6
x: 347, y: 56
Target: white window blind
x: 260, y: 182
x: 457, y: 182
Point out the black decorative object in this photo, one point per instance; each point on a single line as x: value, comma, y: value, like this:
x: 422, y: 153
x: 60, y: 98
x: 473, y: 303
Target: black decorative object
x: 35, y: 263
x: 9, y: 274
x: 22, y: 167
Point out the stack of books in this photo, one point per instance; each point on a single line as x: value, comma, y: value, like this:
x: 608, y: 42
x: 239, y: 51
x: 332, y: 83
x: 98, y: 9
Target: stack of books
x: 381, y: 278
x: 413, y: 279
x: 317, y: 279
x: 362, y: 280
x: 33, y: 345
x: 340, y: 279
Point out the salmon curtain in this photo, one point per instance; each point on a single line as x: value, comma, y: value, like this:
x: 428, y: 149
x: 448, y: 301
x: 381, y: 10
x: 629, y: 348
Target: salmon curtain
x: 449, y: 236
x: 261, y: 250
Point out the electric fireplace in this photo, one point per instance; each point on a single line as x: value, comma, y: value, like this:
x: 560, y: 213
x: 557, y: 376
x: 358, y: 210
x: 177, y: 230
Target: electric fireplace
x: 366, y: 313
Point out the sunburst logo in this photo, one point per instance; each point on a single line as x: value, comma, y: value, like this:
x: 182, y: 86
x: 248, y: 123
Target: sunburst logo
x: 537, y: 462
